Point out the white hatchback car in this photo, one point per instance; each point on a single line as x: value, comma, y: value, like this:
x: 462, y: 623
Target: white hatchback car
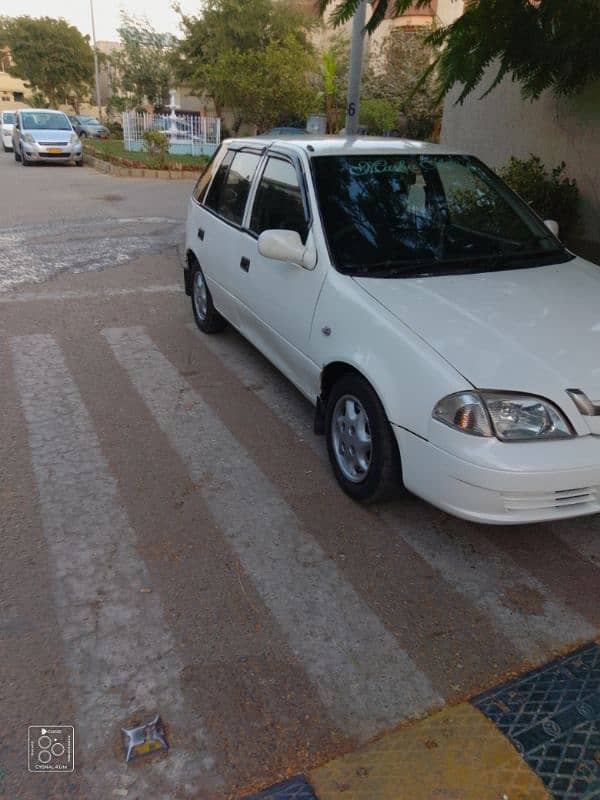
x: 7, y: 120
x: 446, y: 337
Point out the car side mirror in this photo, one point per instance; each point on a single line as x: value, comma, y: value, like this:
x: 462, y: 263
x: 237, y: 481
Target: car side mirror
x: 552, y: 226
x: 286, y: 246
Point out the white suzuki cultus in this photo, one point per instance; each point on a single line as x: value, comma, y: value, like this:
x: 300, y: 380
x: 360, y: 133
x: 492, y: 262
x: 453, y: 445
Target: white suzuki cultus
x: 448, y: 340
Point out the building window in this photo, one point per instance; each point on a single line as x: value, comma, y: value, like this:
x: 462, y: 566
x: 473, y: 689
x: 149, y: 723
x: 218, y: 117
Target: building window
x: 18, y: 97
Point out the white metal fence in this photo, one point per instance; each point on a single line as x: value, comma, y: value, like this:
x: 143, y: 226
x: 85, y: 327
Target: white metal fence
x: 188, y: 134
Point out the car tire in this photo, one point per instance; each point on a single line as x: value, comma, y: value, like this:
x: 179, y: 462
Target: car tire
x: 17, y: 156
x: 206, y: 315
x: 79, y: 162
x: 364, y: 455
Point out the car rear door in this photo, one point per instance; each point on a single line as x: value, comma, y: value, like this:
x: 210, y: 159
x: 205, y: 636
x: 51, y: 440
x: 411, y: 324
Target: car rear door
x: 214, y: 226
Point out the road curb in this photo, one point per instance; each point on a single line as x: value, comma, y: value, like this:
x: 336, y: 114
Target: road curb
x: 536, y: 737
x: 108, y: 168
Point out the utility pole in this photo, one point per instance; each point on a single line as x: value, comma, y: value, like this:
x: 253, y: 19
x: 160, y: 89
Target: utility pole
x: 96, y: 70
x: 355, y: 70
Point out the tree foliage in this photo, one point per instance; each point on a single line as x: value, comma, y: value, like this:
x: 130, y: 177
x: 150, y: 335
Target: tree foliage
x: 53, y: 58
x: 143, y: 63
x: 331, y: 82
x: 542, y: 44
x: 262, y: 85
x: 249, y: 55
x: 396, y: 76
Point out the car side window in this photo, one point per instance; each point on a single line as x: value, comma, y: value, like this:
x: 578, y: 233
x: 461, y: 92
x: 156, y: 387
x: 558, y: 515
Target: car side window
x: 213, y: 198
x: 210, y: 171
x: 233, y: 194
x: 278, y: 204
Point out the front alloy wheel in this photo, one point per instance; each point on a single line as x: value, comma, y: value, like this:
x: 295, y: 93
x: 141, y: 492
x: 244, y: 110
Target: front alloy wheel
x: 362, y: 447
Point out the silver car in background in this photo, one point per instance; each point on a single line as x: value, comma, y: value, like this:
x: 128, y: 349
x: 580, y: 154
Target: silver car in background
x: 42, y: 134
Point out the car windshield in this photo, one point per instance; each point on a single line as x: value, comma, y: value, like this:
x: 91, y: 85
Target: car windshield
x: 403, y: 215
x: 88, y: 120
x: 39, y: 121
x: 8, y: 118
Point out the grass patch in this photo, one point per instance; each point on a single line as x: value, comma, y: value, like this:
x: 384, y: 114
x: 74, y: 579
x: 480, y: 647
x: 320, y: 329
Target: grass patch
x: 113, y: 150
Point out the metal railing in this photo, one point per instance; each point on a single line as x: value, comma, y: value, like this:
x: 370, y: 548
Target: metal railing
x: 188, y: 134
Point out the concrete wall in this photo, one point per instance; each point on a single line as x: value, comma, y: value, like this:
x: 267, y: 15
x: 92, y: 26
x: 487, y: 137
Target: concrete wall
x: 568, y: 130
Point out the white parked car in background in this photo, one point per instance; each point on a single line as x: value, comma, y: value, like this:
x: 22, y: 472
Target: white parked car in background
x: 7, y: 119
x: 446, y: 337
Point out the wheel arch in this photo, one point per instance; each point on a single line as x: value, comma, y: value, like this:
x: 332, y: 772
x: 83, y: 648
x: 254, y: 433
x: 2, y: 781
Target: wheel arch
x: 330, y: 374
x: 191, y: 260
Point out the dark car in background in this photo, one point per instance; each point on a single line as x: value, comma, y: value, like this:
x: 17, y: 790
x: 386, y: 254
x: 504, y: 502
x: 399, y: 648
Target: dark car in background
x: 88, y: 126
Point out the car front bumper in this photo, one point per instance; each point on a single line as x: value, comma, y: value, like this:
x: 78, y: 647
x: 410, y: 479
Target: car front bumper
x: 62, y: 154
x: 502, y: 483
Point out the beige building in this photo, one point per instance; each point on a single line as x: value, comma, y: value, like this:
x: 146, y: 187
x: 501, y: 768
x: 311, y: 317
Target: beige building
x: 13, y: 92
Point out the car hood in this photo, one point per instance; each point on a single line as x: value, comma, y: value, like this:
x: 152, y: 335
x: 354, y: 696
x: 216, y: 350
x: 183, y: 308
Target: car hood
x: 527, y: 330
x: 50, y: 135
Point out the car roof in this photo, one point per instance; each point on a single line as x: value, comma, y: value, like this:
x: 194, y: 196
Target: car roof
x: 347, y: 145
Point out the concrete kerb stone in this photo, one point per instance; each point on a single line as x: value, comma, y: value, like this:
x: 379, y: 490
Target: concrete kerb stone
x: 133, y: 172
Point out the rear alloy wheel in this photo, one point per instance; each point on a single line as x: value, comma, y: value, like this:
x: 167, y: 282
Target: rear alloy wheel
x: 361, y: 445
x: 206, y: 315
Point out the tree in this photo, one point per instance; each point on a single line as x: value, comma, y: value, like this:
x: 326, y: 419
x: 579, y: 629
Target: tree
x: 396, y: 75
x: 232, y: 35
x: 261, y: 85
x: 542, y: 44
x: 51, y: 56
x: 332, y: 80
x: 143, y: 63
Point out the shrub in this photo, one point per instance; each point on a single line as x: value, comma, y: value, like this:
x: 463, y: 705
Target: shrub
x: 378, y: 114
x: 156, y: 144
x: 552, y: 196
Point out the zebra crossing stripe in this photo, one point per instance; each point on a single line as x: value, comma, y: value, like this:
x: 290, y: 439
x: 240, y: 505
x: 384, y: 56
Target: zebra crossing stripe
x: 489, y: 579
x: 120, y: 654
x: 364, y: 678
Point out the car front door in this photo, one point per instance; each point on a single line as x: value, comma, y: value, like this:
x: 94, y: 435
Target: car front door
x: 278, y: 299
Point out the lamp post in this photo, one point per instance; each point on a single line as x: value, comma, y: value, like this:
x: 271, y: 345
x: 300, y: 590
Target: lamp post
x: 355, y: 69
x: 96, y: 70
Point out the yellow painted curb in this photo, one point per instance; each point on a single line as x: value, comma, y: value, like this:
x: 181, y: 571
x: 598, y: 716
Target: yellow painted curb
x: 456, y: 754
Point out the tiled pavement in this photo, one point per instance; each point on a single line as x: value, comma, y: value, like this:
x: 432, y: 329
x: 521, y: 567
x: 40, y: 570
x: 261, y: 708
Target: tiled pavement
x: 534, y: 738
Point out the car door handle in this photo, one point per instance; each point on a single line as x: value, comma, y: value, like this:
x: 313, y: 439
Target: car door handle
x: 245, y: 264
x: 201, y: 234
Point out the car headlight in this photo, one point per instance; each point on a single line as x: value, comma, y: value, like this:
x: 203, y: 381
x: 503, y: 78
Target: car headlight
x: 509, y: 417
x: 28, y: 138
x: 74, y: 139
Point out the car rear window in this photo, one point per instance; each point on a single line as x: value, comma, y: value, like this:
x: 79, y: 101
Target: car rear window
x: 8, y: 118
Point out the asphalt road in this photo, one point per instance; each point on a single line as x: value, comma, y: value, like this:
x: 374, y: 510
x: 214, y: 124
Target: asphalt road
x: 172, y: 541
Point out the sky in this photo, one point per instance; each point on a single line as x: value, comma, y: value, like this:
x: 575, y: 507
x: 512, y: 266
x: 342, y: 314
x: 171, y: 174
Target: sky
x: 106, y: 13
